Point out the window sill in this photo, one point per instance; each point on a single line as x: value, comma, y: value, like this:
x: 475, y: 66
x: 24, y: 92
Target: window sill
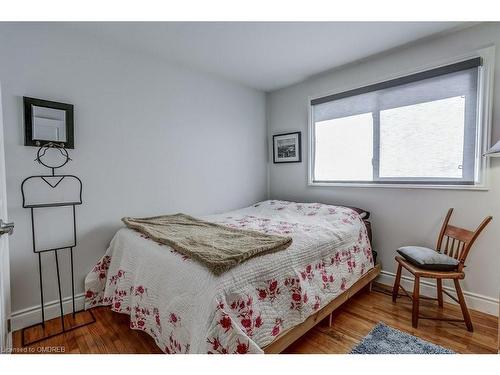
x: 399, y: 186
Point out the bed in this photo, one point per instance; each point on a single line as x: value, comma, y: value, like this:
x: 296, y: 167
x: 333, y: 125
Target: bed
x: 260, y: 306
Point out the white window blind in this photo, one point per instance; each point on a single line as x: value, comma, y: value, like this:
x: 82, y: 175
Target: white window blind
x: 418, y: 129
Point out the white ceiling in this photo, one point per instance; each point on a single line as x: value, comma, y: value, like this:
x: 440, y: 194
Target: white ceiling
x: 263, y: 55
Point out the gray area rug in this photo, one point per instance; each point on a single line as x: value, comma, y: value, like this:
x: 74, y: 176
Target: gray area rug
x: 386, y: 340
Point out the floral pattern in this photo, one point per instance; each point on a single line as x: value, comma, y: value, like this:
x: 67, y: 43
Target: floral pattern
x: 270, y: 292
x: 244, y: 311
x: 296, y: 295
x: 186, y: 309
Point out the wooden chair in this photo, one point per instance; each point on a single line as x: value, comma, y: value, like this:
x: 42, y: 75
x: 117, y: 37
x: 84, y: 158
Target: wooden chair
x: 454, y: 242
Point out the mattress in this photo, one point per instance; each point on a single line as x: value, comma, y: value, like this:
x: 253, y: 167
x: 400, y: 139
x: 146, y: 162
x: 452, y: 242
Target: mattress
x: 187, y: 309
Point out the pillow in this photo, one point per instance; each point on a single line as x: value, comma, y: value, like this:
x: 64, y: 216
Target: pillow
x: 428, y: 259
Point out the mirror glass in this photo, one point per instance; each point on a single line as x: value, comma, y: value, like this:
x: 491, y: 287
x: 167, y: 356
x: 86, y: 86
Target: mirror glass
x: 49, y: 124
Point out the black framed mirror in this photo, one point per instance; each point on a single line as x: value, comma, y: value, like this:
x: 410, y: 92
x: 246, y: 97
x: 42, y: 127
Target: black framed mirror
x: 46, y: 121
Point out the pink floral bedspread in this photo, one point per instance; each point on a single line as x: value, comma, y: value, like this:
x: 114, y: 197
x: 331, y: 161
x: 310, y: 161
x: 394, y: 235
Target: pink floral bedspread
x: 187, y: 309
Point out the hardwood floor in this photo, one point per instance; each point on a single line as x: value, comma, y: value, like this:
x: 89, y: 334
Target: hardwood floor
x: 111, y: 334
x: 360, y: 314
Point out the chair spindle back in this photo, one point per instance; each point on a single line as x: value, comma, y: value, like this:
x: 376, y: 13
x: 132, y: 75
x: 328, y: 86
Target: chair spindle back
x: 456, y: 242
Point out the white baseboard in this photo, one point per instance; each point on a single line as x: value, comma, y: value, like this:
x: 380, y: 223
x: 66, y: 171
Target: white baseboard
x: 474, y: 301
x: 32, y: 315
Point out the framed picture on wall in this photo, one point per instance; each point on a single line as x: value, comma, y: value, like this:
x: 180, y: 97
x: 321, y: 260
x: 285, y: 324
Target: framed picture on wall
x: 287, y: 148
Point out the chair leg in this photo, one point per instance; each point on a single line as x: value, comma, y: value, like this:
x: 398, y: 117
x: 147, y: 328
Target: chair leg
x: 463, y: 306
x: 395, y: 288
x: 440, y: 292
x: 416, y: 296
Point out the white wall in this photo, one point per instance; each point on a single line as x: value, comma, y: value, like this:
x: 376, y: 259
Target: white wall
x: 151, y: 138
x: 401, y: 216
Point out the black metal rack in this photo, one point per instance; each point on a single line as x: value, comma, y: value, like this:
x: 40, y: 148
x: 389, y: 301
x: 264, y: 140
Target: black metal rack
x: 46, y: 179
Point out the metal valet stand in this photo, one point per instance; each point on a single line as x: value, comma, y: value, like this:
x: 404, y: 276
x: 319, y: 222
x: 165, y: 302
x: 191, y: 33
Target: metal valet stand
x: 53, y: 180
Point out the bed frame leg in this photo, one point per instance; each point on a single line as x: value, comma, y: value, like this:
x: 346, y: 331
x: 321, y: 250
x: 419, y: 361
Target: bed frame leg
x: 330, y: 320
x: 370, y: 286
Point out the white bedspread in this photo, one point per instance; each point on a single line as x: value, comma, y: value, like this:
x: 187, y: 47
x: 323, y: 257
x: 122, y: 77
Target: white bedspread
x: 187, y: 309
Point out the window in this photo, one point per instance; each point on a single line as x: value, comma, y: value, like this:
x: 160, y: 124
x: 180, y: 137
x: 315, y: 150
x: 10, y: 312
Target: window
x: 421, y: 129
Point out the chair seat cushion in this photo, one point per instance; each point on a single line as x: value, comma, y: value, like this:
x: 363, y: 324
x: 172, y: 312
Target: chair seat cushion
x: 428, y: 259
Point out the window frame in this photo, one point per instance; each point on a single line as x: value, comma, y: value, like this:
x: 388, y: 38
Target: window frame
x: 483, y: 128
